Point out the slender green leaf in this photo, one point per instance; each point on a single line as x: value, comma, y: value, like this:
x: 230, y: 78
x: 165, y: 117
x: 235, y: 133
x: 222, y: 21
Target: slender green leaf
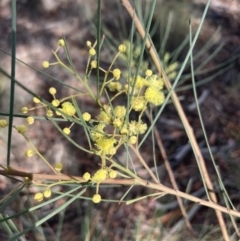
x: 12, y: 90
x: 43, y: 220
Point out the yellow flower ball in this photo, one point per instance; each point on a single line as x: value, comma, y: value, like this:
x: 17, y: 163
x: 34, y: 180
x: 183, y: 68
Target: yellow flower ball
x: 94, y: 64
x: 86, y: 176
x: 116, y: 73
x: 97, y: 132
x: 120, y: 111
x: 154, y: 96
x: 148, y: 72
x: 132, y: 128
x: 52, y: 91
x: 22, y: 129
x: 138, y: 103
x: 30, y: 120
x: 45, y: 64
x: 3, y: 123
x: 92, y: 51
x: 117, y: 122
x: 106, y: 145
x: 114, y: 86
x: 68, y: 108
x: 36, y: 100
x: 88, y: 43
x: 133, y: 140
x: 155, y: 81
x: 47, y: 193
x: 66, y: 131
x: 122, y: 48
x: 56, y: 103
x: 139, y: 82
x: 49, y: 113
x: 112, y: 174
x: 96, y: 198
x: 61, y: 42
x: 142, y: 127
x: 124, y: 130
x: 104, y: 117
x: 100, y: 175
x: 38, y: 196
x: 29, y: 153
x: 24, y: 110
x: 86, y: 116
x: 58, y: 166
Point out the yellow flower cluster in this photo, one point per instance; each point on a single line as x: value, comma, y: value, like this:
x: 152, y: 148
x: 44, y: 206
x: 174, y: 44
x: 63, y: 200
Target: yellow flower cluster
x: 148, y: 91
x: 98, y: 177
x: 113, y: 126
x: 40, y: 195
x: 106, y: 146
x: 29, y: 153
x: 3, y: 123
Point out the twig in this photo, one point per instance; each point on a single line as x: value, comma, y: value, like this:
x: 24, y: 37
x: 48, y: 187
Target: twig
x: 127, y: 182
x: 172, y: 178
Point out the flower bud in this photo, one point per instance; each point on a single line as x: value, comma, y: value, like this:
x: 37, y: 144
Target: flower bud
x: 29, y: 153
x: 96, y: 198
x: 61, y: 42
x: 122, y: 48
x: 66, y: 131
x: 86, y: 116
x: 92, y: 51
x: 52, y: 91
x: 112, y: 174
x: 30, y: 120
x: 47, y: 193
x: 36, y: 100
x: 58, y: 166
x: 86, y: 176
x: 38, y: 197
x: 45, y: 64
x: 21, y: 129
x: 24, y: 110
x: 3, y: 123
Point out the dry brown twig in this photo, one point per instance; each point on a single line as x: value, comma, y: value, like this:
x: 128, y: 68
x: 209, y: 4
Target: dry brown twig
x: 170, y: 173
x: 128, y: 182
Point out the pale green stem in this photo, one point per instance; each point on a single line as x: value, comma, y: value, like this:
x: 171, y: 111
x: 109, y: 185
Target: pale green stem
x: 115, y: 96
x: 76, y: 75
x: 104, y: 81
x: 87, y: 67
x: 116, y: 56
x: 70, y: 97
x: 108, y: 82
x: 10, y: 193
x: 60, y: 182
x: 124, y: 169
x: 144, y: 163
x: 107, y: 72
x: 62, y: 64
x: 37, y: 152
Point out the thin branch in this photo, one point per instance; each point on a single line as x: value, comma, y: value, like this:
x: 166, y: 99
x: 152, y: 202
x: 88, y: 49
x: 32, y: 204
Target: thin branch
x: 127, y: 182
